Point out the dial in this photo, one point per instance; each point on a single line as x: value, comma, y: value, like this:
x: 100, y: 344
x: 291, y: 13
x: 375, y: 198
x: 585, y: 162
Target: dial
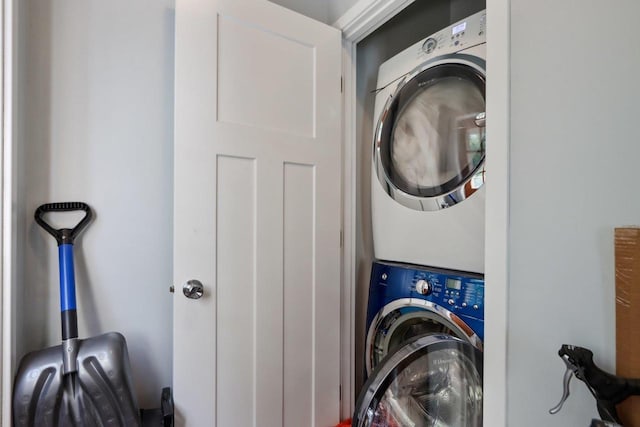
x: 423, y: 287
x: 429, y: 45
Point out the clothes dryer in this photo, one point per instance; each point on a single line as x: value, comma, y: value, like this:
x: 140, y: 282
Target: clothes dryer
x: 423, y: 349
x: 427, y: 192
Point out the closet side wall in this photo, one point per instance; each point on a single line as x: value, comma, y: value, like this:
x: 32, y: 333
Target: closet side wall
x: 96, y: 108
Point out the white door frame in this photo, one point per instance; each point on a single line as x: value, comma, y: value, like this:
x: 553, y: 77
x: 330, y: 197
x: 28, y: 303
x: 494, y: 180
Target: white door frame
x: 7, y: 216
x: 7, y: 230
x: 357, y: 23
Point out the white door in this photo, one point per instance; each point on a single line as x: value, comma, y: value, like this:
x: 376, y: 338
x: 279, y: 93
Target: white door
x: 257, y: 216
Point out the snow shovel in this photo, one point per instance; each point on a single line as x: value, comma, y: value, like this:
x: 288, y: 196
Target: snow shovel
x: 81, y: 382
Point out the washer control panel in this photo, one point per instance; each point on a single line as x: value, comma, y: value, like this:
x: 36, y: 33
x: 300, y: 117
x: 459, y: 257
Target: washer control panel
x: 460, y: 293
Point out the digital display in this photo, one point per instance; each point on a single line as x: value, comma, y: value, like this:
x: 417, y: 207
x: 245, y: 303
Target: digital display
x: 459, y: 28
x: 454, y: 284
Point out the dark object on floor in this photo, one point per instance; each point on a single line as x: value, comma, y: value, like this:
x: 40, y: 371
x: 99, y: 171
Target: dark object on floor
x: 162, y: 416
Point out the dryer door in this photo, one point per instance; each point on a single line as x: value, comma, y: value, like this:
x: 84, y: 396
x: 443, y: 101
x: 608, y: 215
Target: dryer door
x: 435, y: 380
x: 429, y: 144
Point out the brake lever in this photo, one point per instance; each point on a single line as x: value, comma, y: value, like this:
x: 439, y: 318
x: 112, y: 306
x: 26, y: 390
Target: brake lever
x: 608, y: 390
x: 566, y: 380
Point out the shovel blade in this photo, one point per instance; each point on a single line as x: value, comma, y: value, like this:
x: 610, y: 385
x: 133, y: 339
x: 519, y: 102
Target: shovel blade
x: 99, y: 394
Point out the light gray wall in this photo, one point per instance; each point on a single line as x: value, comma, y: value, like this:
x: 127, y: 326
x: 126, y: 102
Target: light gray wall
x: 323, y: 11
x: 96, y: 112
x: 318, y: 10
x: 574, y: 164
x: 337, y: 8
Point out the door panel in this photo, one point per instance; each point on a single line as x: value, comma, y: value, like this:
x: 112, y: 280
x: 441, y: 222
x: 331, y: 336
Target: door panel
x: 289, y: 80
x: 257, y: 216
x: 299, y: 294
x: 236, y: 232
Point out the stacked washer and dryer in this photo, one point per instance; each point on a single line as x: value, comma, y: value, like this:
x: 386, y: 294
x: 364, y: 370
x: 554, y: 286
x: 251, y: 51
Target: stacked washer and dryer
x: 425, y: 315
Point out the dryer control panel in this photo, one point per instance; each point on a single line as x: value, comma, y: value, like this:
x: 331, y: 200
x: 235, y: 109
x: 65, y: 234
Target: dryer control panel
x: 461, y: 35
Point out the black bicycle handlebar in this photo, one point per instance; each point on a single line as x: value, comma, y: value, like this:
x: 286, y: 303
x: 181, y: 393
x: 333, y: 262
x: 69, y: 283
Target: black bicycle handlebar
x: 609, y: 390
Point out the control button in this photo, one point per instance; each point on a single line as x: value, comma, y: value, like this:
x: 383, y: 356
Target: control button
x: 429, y: 45
x: 457, y: 42
x: 450, y: 302
x: 476, y: 306
x: 423, y: 287
x: 464, y: 304
x: 384, y: 276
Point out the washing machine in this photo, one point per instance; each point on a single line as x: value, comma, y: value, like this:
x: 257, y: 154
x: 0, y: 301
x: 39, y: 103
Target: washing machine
x: 406, y: 301
x: 434, y: 380
x: 428, y: 171
x: 423, y: 352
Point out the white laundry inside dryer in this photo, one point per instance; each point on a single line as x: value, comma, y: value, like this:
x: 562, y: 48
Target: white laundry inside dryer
x: 435, y: 138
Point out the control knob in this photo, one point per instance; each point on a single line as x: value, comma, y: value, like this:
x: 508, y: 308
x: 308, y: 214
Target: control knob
x: 429, y: 45
x: 423, y: 287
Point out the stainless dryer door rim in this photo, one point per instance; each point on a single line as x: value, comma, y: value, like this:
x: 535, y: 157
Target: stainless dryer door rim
x: 464, y: 188
x: 438, y: 313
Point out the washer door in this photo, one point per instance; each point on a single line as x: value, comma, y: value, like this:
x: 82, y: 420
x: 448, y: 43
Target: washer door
x: 403, y: 319
x: 435, y: 380
x: 429, y: 146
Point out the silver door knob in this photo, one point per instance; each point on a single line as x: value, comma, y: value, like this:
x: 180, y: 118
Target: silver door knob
x: 193, y: 289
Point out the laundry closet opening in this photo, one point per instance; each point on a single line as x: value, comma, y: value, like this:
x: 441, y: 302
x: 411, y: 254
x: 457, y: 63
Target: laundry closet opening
x: 416, y: 22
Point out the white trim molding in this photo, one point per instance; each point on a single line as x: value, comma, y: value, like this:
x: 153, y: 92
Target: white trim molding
x: 6, y: 212
x: 366, y: 16
x: 497, y: 213
x: 349, y: 221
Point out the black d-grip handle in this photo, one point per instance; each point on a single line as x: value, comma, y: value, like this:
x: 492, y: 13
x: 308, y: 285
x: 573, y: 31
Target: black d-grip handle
x: 64, y: 235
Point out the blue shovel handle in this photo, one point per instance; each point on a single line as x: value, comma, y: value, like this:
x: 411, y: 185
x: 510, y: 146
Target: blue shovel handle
x: 65, y: 238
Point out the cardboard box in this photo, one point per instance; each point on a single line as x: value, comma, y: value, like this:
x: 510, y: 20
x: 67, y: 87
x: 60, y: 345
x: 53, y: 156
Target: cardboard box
x: 627, y: 264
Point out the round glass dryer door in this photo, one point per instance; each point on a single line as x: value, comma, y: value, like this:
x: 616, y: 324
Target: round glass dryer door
x: 430, y: 142
x: 435, y: 380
